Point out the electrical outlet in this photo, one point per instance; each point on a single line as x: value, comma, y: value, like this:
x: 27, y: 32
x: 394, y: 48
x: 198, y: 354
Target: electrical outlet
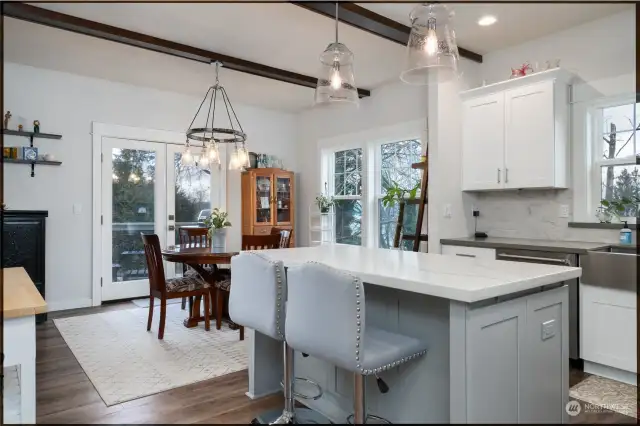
x: 548, y: 329
x: 564, y: 210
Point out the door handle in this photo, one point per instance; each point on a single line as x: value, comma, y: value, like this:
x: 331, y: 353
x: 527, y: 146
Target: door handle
x: 506, y: 175
x: 498, y: 175
x: 465, y: 255
x: 518, y: 257
x: 172, y: 228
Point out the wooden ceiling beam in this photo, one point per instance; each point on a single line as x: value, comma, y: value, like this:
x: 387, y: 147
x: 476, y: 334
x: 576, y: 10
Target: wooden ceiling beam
x: 366, y: 20
x: 63, y: 21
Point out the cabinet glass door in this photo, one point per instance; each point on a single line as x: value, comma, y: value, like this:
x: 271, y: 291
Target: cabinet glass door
x: 263, y: 200
x: 283, y: 199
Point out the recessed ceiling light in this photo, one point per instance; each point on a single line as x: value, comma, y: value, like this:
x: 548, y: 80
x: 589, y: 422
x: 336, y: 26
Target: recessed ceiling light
x: 485, y: 21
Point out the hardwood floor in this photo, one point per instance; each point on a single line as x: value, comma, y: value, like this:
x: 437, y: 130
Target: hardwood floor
x: 65, y: 394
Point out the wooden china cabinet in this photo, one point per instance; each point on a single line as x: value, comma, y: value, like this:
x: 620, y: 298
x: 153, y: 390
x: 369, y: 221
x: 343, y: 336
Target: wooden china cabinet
x: 267, y: 201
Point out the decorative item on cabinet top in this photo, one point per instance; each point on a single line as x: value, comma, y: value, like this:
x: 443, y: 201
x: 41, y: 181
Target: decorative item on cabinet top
x: 28, y: 155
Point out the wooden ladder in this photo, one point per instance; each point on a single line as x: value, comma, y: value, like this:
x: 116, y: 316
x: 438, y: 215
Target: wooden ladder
x: 422, y: 201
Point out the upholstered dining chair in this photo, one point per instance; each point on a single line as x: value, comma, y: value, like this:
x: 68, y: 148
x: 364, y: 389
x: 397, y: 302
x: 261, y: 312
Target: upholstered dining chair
x: 194, y: 236
x: 285, y: 236
x: 173, y: 288
x: 260, y: 242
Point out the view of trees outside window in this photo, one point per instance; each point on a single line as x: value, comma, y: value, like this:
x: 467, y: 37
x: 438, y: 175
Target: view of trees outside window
x: 395, y: 161
x: 347, y: 192
x: 620, y: 158
x: 133, y: 204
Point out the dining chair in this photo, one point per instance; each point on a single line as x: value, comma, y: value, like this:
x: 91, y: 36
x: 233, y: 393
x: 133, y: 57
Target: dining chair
x: 193, y: 236
x: 285, y: 236
x: 261, y: 242
x: 173, y: 288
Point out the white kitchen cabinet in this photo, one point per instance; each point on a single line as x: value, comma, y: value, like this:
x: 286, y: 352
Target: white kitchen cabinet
x: 515, y: 133
x: 608, y: 327
x: 483, y: 142
x: 477, y: 252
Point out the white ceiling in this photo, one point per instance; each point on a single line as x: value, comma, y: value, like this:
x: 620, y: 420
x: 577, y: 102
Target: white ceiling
x: 281, y: 35
x: 517, y: 23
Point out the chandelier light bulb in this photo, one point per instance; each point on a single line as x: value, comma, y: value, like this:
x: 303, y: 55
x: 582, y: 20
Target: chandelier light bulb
x: 203, y: 161
x: 234, y: 164
x: 187, y: 157
x: 213, y: 153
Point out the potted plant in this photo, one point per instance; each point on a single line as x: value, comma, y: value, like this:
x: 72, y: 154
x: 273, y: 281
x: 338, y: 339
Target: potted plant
x: 324, y: 201
x: 614, y: 208
x: 396, y: 194
x: 217, y: 223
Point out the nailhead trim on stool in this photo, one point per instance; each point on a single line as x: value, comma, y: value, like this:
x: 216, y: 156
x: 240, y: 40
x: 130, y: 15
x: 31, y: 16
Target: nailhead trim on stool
x: 279, y: 304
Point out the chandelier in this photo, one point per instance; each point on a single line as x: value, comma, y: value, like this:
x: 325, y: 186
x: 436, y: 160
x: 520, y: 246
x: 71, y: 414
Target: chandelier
x: 209, y: 137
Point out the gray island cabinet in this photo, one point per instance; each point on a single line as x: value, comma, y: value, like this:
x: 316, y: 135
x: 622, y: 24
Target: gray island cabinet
x: 497, y: 333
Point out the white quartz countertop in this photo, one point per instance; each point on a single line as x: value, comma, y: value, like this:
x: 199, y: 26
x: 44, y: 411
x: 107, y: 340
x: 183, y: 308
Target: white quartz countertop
x: 457, y: 278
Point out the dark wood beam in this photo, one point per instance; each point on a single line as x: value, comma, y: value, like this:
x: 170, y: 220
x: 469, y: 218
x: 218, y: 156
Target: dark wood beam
x: 62, y: 21
x: 364, y: 19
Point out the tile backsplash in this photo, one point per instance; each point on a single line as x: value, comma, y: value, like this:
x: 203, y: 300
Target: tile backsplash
x: 533, y: 214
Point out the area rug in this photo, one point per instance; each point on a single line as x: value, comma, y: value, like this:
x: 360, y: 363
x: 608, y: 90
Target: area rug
x: 124, y: 361
x: 609, y: 394
x: 144, y: 303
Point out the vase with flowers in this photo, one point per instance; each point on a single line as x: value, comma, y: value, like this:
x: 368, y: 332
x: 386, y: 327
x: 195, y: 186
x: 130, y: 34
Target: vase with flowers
x: 218, y: 223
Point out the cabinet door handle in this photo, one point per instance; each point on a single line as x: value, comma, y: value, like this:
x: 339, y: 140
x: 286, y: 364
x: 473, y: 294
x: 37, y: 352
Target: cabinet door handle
x: 498, y: 175
x: 506, y: 175
x: 465, y: 255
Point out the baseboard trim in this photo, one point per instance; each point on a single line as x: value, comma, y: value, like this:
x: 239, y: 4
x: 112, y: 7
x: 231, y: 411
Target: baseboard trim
x: 63, y: 305
x: 611, y: 373
x: 262, y: 395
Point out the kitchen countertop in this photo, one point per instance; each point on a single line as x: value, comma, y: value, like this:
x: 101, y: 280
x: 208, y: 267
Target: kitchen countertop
x: 20, y: 296
x: 577, y: 247
x: 455, y: 278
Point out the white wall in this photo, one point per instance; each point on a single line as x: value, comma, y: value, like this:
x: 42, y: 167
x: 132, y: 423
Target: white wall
x: 67, y: 104
x: 602, y: 53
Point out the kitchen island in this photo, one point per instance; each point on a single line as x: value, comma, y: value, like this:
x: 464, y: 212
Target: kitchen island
x: 497, y: 333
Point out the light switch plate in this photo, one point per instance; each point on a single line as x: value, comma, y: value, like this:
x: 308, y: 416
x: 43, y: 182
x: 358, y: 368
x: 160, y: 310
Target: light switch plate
x: 77, y: 208
x: 548, y: 329
x: 447, y: 210
x: 564, y: 210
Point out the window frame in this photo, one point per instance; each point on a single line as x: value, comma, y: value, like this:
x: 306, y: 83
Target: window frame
x: 370, y: 142
x: 594, y: 161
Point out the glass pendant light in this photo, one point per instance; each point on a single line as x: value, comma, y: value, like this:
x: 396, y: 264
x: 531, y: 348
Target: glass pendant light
x: 187, y: 157
x: 234, y: 161
x: 213, y: 153
x: 203, y: 159
x: 432, y: 53
x: 336, y: 83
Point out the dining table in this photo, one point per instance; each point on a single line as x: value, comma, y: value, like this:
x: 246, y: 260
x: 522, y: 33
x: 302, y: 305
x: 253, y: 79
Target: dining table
x: 197, y: 257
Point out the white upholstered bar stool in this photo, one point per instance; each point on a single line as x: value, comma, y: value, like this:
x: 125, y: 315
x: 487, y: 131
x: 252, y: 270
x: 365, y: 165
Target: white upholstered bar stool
x: 326, y: 318
x: 257, y: 300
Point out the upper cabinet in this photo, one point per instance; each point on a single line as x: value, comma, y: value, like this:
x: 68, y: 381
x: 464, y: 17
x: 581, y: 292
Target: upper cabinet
x: 515, y: 133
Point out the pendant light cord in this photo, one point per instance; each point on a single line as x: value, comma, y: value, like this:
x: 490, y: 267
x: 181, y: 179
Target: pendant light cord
x: 336, y: 22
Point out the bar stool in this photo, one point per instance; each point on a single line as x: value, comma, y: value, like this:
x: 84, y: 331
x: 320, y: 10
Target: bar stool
x: 326, y: 318
x: 257, y: 300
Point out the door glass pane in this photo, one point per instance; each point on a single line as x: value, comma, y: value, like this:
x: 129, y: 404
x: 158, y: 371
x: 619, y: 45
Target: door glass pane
x: 283, y: 199
x: 263, y: 199
x: 348, y: 221
x: 192, y: 197
x: 133, y: 180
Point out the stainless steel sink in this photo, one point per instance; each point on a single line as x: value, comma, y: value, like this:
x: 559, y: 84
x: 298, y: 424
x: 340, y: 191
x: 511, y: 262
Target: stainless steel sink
x: 616, y: 267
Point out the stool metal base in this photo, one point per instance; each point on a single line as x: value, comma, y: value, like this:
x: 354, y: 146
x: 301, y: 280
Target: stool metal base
x: 318, y: 394
x: 378, y: 420
x: 304, y: 416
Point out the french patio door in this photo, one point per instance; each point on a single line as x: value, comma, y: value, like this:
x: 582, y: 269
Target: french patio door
x: 145, y: 189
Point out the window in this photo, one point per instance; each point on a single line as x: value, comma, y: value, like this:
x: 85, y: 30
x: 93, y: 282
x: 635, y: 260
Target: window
x: 347, y: 190
x: 395, y: 167
x: 616, y: 155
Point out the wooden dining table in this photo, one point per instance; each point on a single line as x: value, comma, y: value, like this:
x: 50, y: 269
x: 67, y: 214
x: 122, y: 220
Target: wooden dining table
x: 197, y: 257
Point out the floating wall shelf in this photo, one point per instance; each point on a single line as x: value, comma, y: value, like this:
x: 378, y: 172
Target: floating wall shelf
x: 31, y: 136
